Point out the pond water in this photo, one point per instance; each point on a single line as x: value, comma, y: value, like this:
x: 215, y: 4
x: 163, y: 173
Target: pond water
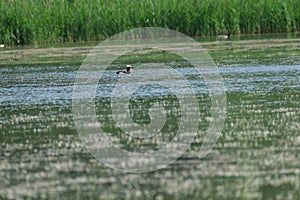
x: 256, y: 157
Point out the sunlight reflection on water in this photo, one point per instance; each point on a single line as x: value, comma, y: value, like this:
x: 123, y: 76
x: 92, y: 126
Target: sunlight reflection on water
x: 256, y: 156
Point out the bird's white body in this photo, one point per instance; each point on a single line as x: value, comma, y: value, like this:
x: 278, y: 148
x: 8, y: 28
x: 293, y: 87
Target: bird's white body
x: 224, y: 36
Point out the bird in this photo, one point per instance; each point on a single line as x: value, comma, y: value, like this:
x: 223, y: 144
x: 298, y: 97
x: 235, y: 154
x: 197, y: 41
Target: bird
x: 224, y: 36
x: 128, y: 70
x: 2, y: 45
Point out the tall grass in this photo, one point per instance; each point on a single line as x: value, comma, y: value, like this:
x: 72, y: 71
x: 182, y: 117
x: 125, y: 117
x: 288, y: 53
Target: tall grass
x: 48, y: 21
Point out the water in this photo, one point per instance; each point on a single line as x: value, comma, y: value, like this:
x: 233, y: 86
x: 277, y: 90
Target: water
x: 256, y: 157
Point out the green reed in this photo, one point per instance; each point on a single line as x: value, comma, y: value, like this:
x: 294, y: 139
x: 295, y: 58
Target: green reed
x: 49, y: 21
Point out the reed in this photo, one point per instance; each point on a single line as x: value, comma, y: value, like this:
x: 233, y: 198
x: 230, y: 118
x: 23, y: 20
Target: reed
x: 54, y: 21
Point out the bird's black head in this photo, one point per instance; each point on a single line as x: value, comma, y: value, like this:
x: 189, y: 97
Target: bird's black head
x: 128, y: 68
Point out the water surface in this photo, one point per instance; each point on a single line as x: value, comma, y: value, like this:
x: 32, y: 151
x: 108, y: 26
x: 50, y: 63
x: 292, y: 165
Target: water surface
x: 256, y: 157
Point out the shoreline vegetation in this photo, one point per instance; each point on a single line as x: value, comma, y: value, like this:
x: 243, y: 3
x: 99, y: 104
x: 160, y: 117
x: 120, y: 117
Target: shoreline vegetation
x: 24, y: 22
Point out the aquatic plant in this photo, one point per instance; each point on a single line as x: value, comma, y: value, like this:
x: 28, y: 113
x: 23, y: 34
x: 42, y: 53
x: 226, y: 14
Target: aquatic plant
x: 54, y: 21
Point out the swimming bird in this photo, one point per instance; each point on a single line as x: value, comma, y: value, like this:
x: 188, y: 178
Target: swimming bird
x: 224, y: 36
x: 128, y: 69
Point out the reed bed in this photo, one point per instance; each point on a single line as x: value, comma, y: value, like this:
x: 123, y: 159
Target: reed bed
x: 54, y: 21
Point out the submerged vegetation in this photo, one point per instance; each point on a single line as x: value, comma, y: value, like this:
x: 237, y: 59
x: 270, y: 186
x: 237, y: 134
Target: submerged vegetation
x: 49, y: 21
x: 256, y: 51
